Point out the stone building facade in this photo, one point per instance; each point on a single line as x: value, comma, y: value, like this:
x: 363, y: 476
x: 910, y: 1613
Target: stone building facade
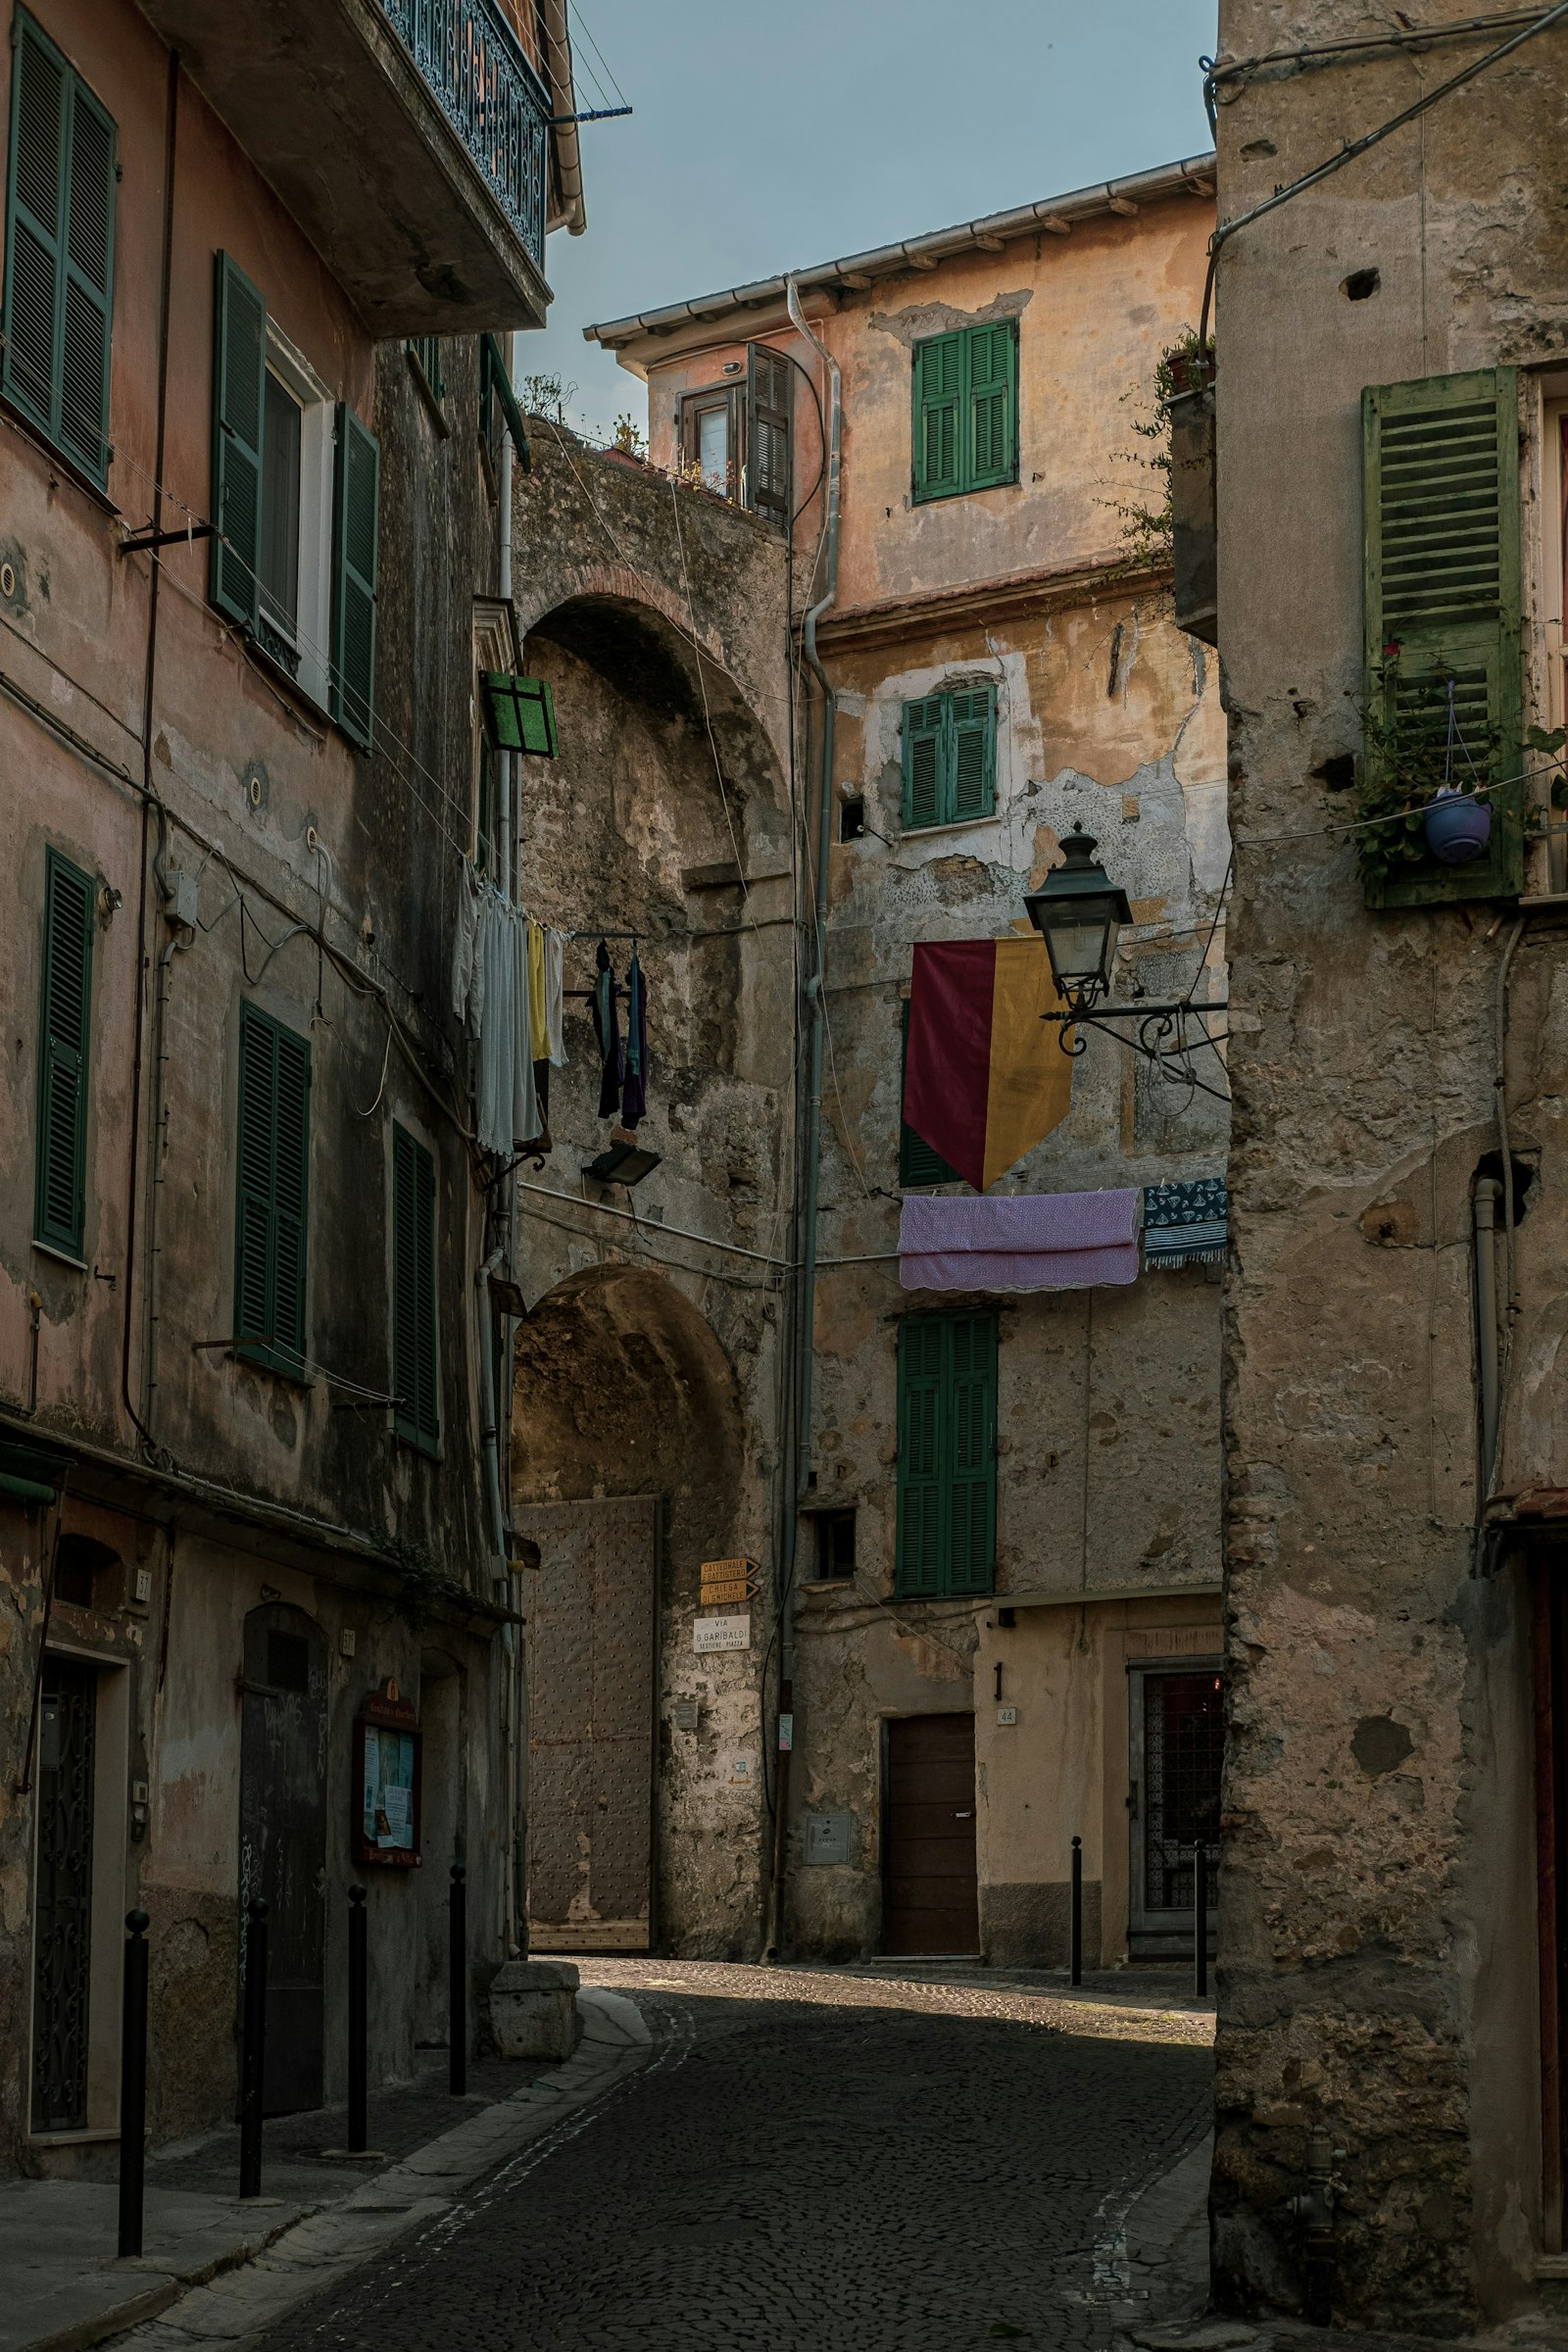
x: 1021, y: 1709
x: 1392, y: 344
x: 252, y: 551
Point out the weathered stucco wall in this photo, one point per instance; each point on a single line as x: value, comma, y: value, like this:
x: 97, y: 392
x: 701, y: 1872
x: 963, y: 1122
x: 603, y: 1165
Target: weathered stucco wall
x: 1379, y: 1976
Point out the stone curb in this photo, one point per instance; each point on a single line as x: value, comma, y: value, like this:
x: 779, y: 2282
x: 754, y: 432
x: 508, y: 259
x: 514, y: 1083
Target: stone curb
x: 248, y: 2289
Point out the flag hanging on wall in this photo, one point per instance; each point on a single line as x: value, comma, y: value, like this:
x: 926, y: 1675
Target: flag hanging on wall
x: 984, y: 1077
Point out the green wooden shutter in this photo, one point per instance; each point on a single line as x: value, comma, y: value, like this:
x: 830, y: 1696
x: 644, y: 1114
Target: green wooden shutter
x: 60, y: 1193
x: 273, y: 1193
x: 971, y: 1453
x: 972, y: 758
x: 768, y: 389
x: 923, y: 734
x: 239, y: 378
x: 1441, y: 535
x: 918, y: 1163
x: 938, y: 415
x: 920, y: 1560
x: 991, y: 372
x: 355, y: 530
x: 59, y: 241
x: 414, y: 1347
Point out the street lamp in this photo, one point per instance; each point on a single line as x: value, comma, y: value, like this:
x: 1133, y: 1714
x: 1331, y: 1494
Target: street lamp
x: 1079, y: 913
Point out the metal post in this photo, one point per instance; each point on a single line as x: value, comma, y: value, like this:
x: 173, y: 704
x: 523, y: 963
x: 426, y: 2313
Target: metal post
x: 1077, y: 1954
x: 458, y: 1982
x: 253, y: 2051
x: 1200, y: 1919
x: 359, y: 2023
x: 133, y: 2083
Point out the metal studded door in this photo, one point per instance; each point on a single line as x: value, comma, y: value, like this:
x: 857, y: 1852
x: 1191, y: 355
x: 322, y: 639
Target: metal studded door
x: 62, y: 1927
x: 592, y: 1643
x: 282, y: 1842
x: 1178, y: 1744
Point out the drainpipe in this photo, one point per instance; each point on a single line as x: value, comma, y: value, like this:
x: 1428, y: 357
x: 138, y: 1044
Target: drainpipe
x: 1489, y: 1192
x: 807, y: 1310
x: 510, y: 1698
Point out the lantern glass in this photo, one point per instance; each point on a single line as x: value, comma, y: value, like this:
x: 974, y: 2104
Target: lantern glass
x: 1081, y: 940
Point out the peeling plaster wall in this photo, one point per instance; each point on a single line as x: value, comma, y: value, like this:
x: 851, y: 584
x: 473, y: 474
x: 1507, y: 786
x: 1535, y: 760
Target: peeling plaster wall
x: 1378, y: 1888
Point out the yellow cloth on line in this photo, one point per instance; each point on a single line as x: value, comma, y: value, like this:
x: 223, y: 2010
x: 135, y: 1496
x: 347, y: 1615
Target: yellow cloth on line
x: 538, y: 1017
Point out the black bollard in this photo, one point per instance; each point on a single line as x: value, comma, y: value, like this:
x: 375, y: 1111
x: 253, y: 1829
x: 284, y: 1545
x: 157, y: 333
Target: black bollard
x: 359, y: 2024
x: 458, y: 1982
x: 1201, y: 1920
x: 133, y: 2083
x: 253, y: 2051
x: 1077, y: 1952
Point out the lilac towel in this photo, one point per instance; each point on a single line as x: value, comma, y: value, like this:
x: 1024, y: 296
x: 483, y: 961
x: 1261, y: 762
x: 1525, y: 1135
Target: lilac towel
x: 1023, y: 1241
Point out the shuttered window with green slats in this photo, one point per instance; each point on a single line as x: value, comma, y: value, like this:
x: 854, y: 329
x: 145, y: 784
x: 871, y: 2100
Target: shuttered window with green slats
x: 64, y: 1010
x: 965, y: 427
x: 356, y: 528
x: 947, y: 1484
x: 950, y: 757
x: 918, y: 1163
x: 60, y: 251
x: 1441, y: 471
x: 271, y: 1208
x: 413, y: 1334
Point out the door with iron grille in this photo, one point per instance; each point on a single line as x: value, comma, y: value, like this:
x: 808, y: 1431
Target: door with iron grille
x: 592, y: 1664
x: 62, y: 1912
x: 282, y: 1842
x: 1177, y: 1717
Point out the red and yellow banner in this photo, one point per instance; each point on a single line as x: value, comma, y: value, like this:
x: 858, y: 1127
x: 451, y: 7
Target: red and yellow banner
x: 984, y: 1077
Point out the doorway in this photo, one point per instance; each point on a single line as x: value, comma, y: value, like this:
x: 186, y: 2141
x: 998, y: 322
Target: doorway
x: 443, y: 1802
x: 930, y: 1894
x: 282, y: 1842
x: 1177, y: 1721
x: 63, y: 1927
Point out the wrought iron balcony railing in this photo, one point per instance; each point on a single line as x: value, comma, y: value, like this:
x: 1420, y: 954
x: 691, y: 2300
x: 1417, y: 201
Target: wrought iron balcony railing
x: 475, y: 68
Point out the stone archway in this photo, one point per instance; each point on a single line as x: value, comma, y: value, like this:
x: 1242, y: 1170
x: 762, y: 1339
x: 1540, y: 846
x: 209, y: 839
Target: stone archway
x: 627, y: 1473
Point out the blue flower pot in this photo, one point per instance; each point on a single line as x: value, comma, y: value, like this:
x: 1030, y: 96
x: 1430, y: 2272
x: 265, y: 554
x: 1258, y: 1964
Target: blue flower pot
x: 1457, y: 827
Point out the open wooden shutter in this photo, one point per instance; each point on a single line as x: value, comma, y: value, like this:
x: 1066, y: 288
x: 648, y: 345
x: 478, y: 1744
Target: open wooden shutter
x: 36, y: 203
x: 767, y: 432
x: 60, y: 1193
x: 1441, y: 468
x: 921, y: 1552
x: 239, y: 378
x: 938, y: 415
x: 973, y: 760
x: 88, y: 285
x: 918, y: 1163
x: 273, y: 1192
x: 971, y: 1451
x: 414, y: 1354
x: 290, y: 1195
x: 992, y: 405
x: 355, y: 530
x: 923, y: 780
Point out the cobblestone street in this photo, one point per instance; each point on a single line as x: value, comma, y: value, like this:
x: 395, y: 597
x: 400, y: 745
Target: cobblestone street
x: 890, y: 2163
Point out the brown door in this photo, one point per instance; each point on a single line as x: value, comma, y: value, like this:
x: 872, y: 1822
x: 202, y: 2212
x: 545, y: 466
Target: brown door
x: 282, y: 1842
x: 930, y: 1902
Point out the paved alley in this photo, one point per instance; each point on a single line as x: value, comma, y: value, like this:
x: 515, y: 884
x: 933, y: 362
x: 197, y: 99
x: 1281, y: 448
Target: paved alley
x: 897, y: 2163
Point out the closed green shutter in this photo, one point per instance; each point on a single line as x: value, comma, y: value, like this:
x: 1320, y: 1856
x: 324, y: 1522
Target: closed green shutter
x: 992, y: 403
x: 271, y: 1210
x: 1440, y: 465
x: 414, y: 1347
x: 355, y: 530
x: 239, y: 380
x: 918, y: 1164
x: 946, y: 1484
x: 972, y: 720
x: 922, y: 761
x: 60, y: 1192
x: 938, y: 415
x: 60, y: 251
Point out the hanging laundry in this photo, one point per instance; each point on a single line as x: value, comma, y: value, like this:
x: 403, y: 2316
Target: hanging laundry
x: 467, y: 988
x: 1018, y: 1241
x: 497, y: 1009
x: 1185, y: 1224
x: 606, y: 1029
x: 634, y: 1092
x: 555, y: 997
x: 538, y: 1029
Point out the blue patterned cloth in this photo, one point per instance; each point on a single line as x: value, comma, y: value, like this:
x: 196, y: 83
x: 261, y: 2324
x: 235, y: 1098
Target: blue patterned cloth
x: 1184, y: 1224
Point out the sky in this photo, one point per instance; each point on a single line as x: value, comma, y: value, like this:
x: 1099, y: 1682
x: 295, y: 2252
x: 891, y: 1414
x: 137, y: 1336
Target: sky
x: 772, y: 135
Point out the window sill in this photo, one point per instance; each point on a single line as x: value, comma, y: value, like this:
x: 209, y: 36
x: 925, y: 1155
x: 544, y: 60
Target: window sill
x: 936, y: 498
x: 411, y: 1444
x: 955, y: 824
x: 68, y: 466
x: 62, y: 1258
x: 71, y: 2140
x: 287, y: 1368
x: 279, y: 677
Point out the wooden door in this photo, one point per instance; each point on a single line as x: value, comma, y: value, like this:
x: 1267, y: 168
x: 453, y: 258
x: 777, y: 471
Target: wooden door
x: 930, y: 1902
x: 282, y: 1842
x: 62, y: 1911
x: 592, y: 1647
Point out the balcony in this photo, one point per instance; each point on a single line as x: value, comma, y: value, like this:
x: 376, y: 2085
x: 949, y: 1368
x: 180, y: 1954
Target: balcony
x: 408, y: 138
